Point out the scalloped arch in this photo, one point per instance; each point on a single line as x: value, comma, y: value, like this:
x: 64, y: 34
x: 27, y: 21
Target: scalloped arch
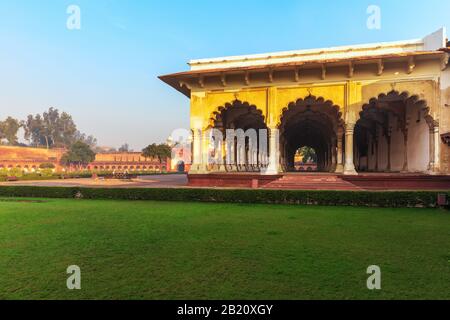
x: 404, y: 96
x: 234, y: 104
x: 309, y: 101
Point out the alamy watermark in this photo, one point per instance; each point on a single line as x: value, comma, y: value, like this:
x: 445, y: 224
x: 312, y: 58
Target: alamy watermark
x: 74, y: 280
x: 74, y: 19
x: 374, y: 19
x: 231, y: 146
x: 374, y: 281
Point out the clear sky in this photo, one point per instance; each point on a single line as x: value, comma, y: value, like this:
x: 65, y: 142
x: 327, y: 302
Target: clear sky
x: 105, y: 74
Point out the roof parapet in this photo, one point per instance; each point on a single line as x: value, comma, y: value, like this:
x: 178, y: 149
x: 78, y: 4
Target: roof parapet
x: 432, y: 42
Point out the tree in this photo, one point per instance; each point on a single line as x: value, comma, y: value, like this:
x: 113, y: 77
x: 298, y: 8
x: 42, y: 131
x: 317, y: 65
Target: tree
x: 33, y: 127
x: 124, y: 148
x: 54, y: 129
x: 79, y: 154
x: 308, y: 154
x: 89, y: 140
x: 66, y: 131
x: 9, y: 129
x: 160, y: 152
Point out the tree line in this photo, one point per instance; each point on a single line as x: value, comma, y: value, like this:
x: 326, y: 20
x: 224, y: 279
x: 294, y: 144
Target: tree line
x: 55, y: 129
x: 51, y: 129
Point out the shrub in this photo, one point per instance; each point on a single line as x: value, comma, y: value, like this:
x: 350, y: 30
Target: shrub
x: 327, y: 198
x: 15, y: 172
x: 47, y: 165
x: 4, y: 172
x: 46, y: 173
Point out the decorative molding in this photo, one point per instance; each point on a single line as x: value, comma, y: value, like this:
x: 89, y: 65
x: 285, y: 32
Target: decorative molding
x: 185, y: 84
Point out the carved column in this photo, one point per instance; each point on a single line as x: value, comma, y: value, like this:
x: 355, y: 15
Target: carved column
x: 434, y: 146
x: 388, y: 140
x: 222, y: 164
x: 349, y: 168
x: 431, y: 149
x: 274, y: 150
x: 205, y: 140
x: 340, y: 157
x: 437, y: 149
x: 333, y: 156
x: 197, y: 160
x: 405, y: 148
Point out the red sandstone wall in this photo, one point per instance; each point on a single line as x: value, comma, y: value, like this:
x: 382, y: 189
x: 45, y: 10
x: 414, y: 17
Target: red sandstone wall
x: 129, y: 161
x: 12, y: 157
x: 32, y: 158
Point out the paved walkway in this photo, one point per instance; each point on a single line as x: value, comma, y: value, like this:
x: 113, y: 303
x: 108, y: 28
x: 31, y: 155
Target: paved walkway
x: 155, y: 181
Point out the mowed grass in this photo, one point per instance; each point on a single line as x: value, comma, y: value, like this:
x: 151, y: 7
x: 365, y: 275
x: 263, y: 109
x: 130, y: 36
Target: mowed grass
x: 164, y: 250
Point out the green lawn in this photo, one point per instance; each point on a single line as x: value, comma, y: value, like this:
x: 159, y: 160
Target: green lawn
x: 163, y: 250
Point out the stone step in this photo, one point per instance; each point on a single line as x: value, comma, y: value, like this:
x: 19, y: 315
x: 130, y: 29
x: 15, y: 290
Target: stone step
x: 312, y: 182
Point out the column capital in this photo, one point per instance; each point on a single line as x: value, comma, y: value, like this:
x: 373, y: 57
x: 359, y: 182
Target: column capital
x: 350, y: 127
x: 436, y: 129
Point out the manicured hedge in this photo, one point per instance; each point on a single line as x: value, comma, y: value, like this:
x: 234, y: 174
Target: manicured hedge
x: 329, y: 198
x: 74, y: 175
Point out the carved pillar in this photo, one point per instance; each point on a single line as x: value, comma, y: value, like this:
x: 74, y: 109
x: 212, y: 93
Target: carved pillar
x: 405, y: 148
x: 434, y: 146
x: 197, y: 160
x: 340, y: 156
x: 204, y: 151
x: 349, y: 168
x: 431, y: 149
x: 388, y: 140
x: 222, y: 164
x: 274, y: 150
x: 333, y: 156
x: 437, y: 149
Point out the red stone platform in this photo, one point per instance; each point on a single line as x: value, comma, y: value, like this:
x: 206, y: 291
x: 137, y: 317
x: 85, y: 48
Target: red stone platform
x: 322, y: 181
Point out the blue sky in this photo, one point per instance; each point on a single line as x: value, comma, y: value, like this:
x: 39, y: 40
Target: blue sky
x: 105, y: 74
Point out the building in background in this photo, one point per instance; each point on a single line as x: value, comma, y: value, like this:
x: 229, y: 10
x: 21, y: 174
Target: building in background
x: 127, y: 162
x: 30, y: 159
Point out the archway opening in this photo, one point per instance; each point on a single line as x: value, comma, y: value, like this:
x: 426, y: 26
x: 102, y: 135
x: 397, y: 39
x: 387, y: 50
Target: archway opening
x: 235, y: 120
x: 305, y: 159
x: 314, y: 123
x: 393, y: 135
x: 181, y: 167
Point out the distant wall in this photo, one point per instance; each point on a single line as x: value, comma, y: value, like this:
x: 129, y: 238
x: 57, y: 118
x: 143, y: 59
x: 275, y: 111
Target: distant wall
x: 29, y: 159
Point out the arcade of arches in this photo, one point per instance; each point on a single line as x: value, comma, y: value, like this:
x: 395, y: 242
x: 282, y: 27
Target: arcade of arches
x: 375, y: 108
x: 392, y: 132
